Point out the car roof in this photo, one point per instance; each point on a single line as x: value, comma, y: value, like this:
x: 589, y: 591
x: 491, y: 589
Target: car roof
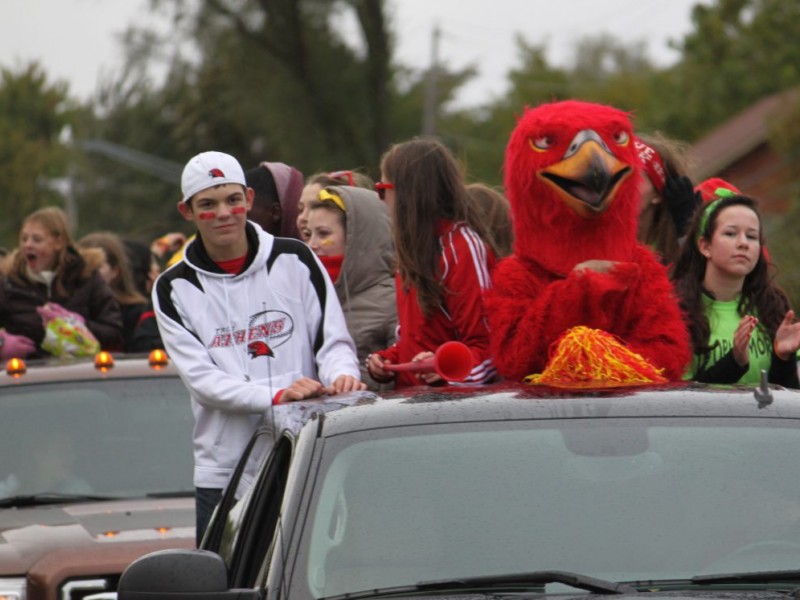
x: 83, y: 369
x: 517, y: 401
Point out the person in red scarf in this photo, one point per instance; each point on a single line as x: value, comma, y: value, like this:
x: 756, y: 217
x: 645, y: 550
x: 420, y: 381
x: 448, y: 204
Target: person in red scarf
x: 350, y: 231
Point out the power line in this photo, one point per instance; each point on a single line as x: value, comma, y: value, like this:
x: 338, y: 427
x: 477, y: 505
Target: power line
x: 163, y: 169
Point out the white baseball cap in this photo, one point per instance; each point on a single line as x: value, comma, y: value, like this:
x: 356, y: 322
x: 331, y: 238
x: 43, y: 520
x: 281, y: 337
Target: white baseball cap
x: 209, y: 169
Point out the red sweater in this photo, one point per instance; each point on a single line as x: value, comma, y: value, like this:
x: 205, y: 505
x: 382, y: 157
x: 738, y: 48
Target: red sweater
x: 465, y: 265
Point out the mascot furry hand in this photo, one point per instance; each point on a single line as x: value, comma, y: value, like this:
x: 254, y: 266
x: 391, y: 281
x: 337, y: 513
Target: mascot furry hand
x: 571, y: 175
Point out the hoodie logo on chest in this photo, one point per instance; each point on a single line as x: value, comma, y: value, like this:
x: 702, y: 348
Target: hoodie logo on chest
x: 265, y: 331
x: 255, y: 349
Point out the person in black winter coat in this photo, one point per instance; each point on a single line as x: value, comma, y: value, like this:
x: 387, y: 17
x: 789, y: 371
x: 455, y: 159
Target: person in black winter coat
x: 48, y: 273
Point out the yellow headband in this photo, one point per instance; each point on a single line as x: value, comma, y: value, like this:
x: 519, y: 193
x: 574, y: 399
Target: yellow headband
x: 326, y: 195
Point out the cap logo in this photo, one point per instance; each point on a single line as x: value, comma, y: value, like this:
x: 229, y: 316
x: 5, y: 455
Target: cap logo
x: 210, y: 169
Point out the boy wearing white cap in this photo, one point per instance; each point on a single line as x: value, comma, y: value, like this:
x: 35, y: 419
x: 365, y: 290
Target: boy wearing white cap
x: 248, y: 319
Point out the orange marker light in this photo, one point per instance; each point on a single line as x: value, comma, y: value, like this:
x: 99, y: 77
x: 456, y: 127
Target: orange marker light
x: 16, y: 367
x: 103, y: 361
x: 158, y: 358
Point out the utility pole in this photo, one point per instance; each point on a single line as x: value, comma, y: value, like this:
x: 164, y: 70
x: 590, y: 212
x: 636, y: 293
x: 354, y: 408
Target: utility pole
x: 431, y: 86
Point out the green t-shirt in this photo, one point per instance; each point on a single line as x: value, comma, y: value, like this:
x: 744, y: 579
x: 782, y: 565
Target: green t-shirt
x: 723, y: 319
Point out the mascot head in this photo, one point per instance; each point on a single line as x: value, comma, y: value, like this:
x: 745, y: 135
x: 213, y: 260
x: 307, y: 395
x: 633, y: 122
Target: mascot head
x: 571, y: 175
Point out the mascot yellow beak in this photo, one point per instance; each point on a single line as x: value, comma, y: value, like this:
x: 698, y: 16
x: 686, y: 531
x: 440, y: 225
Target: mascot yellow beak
x: 588, y: 176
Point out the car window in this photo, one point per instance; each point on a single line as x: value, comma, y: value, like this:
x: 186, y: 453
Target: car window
x: 230, y: 516
x: 622, y: 500
x: 115, y: 437
x: 232, y: 511
x: 259, y: 528
x: 252, y: 498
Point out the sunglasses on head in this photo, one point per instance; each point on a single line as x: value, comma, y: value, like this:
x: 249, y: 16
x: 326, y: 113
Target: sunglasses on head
x: 381, y: 188
x: 343, y: 176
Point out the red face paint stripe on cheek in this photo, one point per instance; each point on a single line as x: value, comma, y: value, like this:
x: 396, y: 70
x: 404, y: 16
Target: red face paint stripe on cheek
x: 238, y: 210
x: 205, y: 216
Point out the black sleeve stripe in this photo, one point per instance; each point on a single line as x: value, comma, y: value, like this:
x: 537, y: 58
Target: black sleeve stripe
x: 306, y: 256
x: 164, y: 289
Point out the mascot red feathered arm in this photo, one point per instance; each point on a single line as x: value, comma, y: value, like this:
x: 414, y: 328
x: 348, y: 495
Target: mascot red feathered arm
x: 571, y: 175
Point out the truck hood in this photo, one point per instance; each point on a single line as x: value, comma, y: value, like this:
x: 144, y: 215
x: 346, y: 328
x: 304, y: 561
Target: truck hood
x: 110, y: 533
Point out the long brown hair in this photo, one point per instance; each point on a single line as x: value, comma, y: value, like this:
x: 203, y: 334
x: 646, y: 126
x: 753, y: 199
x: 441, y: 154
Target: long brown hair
x: 123, y: 286
x: 760, y: 294
x: 54, y: 220
x: 428, y: 185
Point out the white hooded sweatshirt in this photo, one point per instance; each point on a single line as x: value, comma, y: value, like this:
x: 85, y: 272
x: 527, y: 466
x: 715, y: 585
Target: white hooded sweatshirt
x: 237, y: 340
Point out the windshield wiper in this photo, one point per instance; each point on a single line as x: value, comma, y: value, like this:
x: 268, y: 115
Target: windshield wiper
x: 50, y: 498
x: 751, y: 577
x: 515, y: 580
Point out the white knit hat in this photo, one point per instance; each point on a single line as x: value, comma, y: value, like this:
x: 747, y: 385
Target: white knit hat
x: 209, y: 169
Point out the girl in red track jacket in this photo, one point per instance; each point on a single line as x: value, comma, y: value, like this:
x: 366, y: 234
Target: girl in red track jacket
x: 443, y: 263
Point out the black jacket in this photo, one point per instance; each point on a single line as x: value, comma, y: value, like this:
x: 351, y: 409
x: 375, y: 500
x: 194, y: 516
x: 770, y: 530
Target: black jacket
x: 81, y: 290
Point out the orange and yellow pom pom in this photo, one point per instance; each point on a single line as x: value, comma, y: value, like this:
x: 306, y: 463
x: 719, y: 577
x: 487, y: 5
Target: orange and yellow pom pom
x: 585, y: 358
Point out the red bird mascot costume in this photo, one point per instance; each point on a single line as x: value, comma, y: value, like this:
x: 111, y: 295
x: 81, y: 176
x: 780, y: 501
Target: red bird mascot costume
x: 571, y: 175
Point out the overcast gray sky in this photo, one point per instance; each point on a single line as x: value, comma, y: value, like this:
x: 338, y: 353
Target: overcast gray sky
x: 77, y: 40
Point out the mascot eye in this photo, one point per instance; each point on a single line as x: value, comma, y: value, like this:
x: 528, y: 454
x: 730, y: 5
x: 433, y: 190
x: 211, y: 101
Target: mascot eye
x: 541, y: 143
x: 622, y: 138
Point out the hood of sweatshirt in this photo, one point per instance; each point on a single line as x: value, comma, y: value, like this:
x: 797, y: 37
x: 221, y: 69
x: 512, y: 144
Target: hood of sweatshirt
x: 369, y: 249
x: 289, y: 183
x: 259, y: 245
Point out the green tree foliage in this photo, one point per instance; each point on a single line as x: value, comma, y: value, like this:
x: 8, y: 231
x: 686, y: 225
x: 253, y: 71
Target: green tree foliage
x: 603, y: 71
x: 316, y: 84
x: 276, y: 80
x: 783, y: 241
x: 33, y: 113
x: 738, y: 52
x: 311, y: 83
x: 114, y: 188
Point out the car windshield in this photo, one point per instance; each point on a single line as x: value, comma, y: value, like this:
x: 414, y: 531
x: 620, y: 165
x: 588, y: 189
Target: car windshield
x: 616, y: 499
x: 101, y: 438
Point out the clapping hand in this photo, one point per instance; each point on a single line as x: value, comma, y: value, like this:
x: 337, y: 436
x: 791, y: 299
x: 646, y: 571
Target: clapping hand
x: 787, y: 338
x: 741, y: 339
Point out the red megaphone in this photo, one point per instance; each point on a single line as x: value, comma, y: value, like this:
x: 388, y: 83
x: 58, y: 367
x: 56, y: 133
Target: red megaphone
x: 452, y: 361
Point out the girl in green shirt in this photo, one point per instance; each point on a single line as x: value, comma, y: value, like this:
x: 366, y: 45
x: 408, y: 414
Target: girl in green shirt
x: 739, y: 319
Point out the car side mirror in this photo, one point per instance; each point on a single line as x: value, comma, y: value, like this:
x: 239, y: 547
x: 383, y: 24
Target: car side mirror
x: 174, y: 574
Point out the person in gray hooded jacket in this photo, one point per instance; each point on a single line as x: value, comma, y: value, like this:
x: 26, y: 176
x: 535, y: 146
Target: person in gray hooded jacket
x: 351, y: 234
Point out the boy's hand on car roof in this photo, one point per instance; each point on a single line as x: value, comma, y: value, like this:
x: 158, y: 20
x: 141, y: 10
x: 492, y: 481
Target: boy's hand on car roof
x: 346, y: 383
x: 303, y: 388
